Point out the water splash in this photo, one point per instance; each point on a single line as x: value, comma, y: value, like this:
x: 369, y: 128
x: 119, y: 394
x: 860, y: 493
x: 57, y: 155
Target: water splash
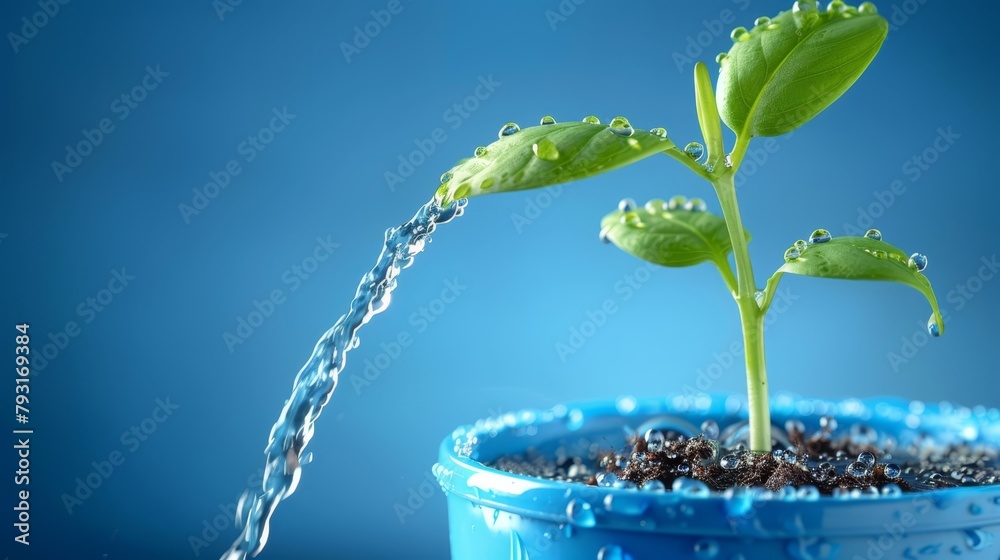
x: 317, y: 379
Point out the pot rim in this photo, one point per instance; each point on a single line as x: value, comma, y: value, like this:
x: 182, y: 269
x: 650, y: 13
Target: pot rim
x: 771, y: 514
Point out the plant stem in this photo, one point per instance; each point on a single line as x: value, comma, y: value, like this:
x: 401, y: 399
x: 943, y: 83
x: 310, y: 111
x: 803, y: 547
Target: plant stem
x: 751, y: 316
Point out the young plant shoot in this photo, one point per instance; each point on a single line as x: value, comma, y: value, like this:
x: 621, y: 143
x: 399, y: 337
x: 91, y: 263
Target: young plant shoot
x: 775, y: 78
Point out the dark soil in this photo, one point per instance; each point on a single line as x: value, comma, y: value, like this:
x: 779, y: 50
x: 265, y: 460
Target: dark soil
x: 833, y: 465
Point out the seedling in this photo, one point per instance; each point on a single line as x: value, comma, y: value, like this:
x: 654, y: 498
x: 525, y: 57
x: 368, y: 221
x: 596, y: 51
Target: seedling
x: 776, y: 77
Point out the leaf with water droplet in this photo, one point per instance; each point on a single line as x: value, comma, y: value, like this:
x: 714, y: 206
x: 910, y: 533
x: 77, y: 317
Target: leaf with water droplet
x: 670, y: 237
x: 851, y: 258
x: 566, y: 151
x: 778, y: 76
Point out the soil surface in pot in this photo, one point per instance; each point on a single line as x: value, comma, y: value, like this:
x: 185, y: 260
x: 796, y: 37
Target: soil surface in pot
x: 855, y: 463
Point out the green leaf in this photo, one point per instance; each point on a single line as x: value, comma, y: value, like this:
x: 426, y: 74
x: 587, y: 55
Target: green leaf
x: 670, y: 237
x: 545, y: 155
x: 860, y: 258
x: 788, y: 69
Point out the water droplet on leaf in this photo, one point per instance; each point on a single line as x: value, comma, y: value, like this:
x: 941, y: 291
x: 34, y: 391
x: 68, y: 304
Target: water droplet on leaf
x: 603, y: 236
x: 480, y: 151
x: 801, y: 245
x: 445, y: 177
x: 739, y: 34
x: 762, y: 21
x: 591, y: 119
x: 694, y: 150
x: 720, y: 57
x: 621, y: 126
x: 874, y: 234
x: 676, y: 203
x: 868, y: 9
x: 626, y: 205
x: 932, y: 327
x: 917, y: 262
x: 791, y: 254
x: 656, y: 205
x: 547, y: 120
x: 545, y: 149
x: 508, y: 129
x: 659, y: 131
x: 820, y: 236
x: 696, y: 205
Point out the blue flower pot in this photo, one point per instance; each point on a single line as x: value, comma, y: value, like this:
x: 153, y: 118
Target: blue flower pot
x: 494, y: 515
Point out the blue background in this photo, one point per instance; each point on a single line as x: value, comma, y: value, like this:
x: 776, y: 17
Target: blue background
x: 494, y: 348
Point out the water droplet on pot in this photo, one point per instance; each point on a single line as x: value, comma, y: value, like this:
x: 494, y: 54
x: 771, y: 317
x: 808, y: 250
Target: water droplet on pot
x: 445, y: 177
x: 710, y: 429
x: 626, y: 205
x: 659, y: 131
x: 613, y: 552
x: 696, y: 205
x: 547, y: 120
x: 706, y: 548
x: 791, y: 254
x: 820, y: 236
x: 808, y: 493
x: 621, y: 126
x: 892, y: 470
x: 932, y: 327
x: 480, y: 151
x: 867, y: 458
x: 729, y: 462
x: 917, y: 262
x: 739, y: 34
x: 591, y: 119
x: 654, y: 439
x: 762, y: 21
x: 676, y: 203
x: 631, y: 503
x: 874, y: 234
x: 689, y: 487
x: 857, y: 469
x: 545, y: 149
x: 694, y: 150
x: 508, y: 129
x: 656, y: 205
x: 978, y: 539
x: 654, y: 486
x: 867, y: 9
x: 581, y: 513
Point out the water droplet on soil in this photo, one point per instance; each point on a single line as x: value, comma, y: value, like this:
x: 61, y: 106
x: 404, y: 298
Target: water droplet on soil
x: 730, y: 462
